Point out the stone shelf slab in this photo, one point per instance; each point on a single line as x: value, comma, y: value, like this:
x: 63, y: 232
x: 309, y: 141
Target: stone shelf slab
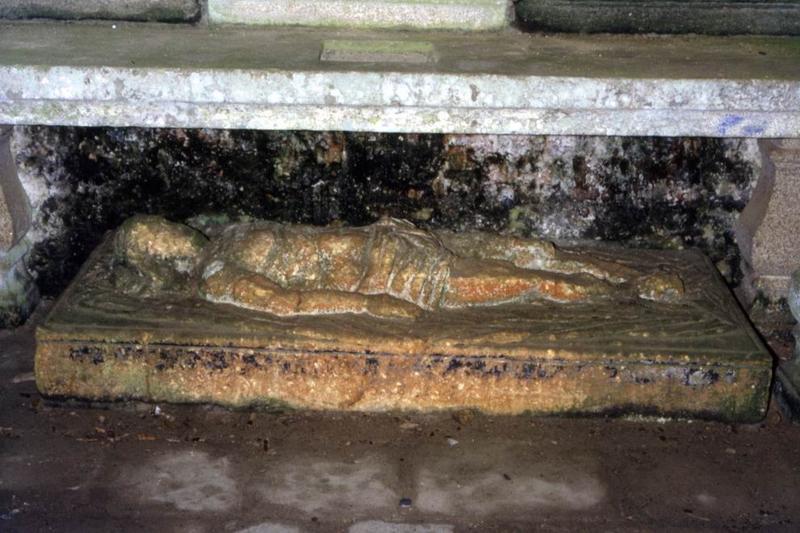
x: 504, y: 82
x: 416, y: 14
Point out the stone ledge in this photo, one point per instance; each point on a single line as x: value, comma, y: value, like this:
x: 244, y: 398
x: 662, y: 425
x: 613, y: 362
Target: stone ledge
x: 146, y: 75
x: 428, y: 14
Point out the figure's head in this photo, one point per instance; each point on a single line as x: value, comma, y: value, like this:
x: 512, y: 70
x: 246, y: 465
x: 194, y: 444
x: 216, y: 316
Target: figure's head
x: 163, y: 254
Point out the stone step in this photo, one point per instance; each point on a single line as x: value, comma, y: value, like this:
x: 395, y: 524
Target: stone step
x: 696, y: 358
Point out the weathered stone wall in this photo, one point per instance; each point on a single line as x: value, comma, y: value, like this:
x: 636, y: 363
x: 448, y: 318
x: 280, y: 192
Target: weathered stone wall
x: 655, y: 192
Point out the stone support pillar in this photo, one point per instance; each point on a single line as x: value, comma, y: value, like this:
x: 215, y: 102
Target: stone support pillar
x: 18, y: 293
x: 769, y: 227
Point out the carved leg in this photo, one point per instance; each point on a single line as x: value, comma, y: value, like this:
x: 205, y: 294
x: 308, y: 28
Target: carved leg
x: 769, y: 227
x: 485, y: 282
x: 233, y: 285
x: 18, y: 294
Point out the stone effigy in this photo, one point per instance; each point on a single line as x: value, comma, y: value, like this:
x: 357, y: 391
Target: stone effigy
x: 390, y: 316
x: 389, y: 269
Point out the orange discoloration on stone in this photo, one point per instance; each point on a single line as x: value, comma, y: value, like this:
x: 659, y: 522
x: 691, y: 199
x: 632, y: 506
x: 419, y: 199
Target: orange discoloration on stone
x: 385, y: 383
x: 482, y: 290
x: 562, y: 291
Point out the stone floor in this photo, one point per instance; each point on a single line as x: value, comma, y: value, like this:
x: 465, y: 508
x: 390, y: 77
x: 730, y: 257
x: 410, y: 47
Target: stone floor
x: 66, y: 467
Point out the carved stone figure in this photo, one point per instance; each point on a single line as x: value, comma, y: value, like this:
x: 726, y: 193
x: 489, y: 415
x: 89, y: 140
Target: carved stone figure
x: 387, y: 269
x: 391, y: 317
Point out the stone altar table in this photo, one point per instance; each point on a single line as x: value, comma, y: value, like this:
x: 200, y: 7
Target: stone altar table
x: 494, y: 83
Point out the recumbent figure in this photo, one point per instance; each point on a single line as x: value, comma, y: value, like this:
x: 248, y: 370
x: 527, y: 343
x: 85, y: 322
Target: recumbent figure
x: 388, y: 269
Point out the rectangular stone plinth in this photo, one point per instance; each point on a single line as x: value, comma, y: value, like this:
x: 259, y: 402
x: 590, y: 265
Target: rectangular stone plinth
x: 428, y: 14
x: 698, y: 357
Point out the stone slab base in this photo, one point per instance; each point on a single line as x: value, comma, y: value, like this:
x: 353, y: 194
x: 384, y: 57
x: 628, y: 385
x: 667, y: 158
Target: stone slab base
x: 712, y: 17
x: 697, y: 358
x: 246, y: 377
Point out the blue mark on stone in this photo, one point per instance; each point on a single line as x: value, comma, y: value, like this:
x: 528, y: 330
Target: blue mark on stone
x: 728, y: 122
x: 751, y: 131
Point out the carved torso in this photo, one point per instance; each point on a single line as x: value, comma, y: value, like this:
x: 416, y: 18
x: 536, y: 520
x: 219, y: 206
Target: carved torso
x: 391, y: 257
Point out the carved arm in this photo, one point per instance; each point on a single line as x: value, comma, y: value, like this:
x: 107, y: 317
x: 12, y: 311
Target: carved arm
x: 233, y: 285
